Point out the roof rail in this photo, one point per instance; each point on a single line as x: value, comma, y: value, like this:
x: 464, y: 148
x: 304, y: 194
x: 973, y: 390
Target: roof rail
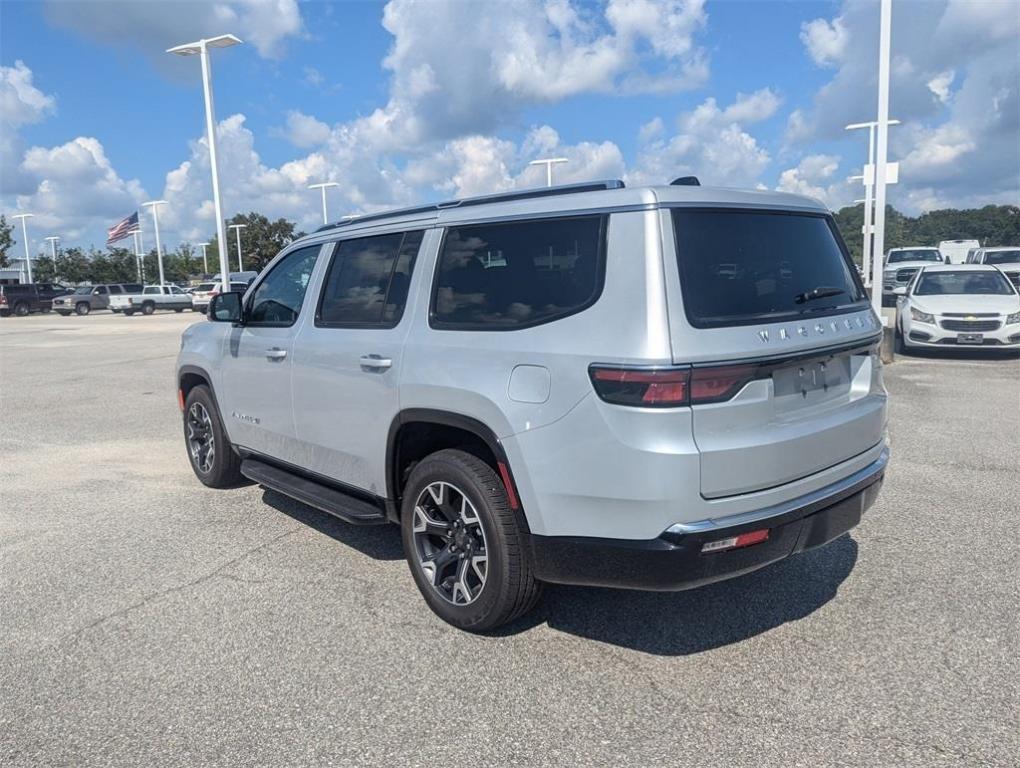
x: 500, y: 197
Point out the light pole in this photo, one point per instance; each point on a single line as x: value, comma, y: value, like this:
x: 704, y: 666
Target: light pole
x: 53, y: 246
x: 205, y: 261
x: 138, y: 254
x: 24, y: 237
x: 869, y: 185
x: 884, y: 47
x: 201, y: 48
x: 548, y: 163
x: 323, y: 186
x: 154, y: 205
x: 237, y: 228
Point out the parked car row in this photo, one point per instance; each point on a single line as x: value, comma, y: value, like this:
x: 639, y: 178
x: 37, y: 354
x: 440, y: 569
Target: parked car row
x: 127, y: 298
x: 902, y: 264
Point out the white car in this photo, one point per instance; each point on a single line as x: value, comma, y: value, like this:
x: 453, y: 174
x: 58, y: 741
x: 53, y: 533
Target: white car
x: 956, y: 251
x: 1006, y: 258
x: 958, y: 305
x: 202, y: 294
x: 900, y: 266
x: 151, y: 298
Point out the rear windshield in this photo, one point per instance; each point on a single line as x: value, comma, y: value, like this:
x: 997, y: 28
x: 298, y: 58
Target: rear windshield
x: 1002, y: 257
x: 954, y: 283
x: 917, y: 254
x: 739, y: 267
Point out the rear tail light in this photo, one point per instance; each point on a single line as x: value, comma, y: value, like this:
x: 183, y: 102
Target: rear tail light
x: 3, y: 299
x: 669, y: 387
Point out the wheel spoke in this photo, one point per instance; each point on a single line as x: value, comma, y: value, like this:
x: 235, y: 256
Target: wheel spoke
x: 425, y: 523
x: 436, y: 564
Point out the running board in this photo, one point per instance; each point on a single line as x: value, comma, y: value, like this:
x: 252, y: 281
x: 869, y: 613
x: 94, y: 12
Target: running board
x: 322, y: 497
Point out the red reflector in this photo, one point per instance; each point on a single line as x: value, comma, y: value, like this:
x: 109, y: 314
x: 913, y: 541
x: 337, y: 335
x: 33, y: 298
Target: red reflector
x: 511, y: 494
x: 180, y: 399
x: 735, y: 542
x: 714, y: 385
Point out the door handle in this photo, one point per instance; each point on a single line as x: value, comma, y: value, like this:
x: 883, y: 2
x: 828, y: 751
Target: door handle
x: 375, y: 362
x: 275, y: 353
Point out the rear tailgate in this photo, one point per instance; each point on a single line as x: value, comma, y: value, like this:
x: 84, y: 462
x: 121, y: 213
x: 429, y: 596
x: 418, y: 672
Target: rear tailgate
x: 120, y: 301
x: 768, y: 299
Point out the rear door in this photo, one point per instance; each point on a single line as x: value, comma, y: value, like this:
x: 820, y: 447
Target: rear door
x: 766, y: 307
x: 347, y: 359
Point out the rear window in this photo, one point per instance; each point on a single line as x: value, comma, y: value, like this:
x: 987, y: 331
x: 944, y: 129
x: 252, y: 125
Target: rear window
x: 963, y: 282
x: 519, y: 274
x: 1002, y: 257
x: 739, y: 267
x: 132, y: 287
x: 915, y: 254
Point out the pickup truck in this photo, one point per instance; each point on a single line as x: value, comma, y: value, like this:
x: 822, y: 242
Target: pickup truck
x: 151, y: 298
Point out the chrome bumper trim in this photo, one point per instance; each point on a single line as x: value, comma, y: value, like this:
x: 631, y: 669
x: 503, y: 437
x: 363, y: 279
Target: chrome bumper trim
x: 860, y: 479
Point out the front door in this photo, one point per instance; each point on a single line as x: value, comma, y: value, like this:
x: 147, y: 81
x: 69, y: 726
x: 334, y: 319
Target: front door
x: 255, y: 395
x: 347, y: 362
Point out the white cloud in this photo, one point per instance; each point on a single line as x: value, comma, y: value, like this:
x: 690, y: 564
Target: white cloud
x: 813, y: 177
x: 955, y: 82
x: 710, y: 143
x: 305, y: 131
x: 21, y: 102
x: 77, y: 191
x: 152, y: 26
x: 826, y: 42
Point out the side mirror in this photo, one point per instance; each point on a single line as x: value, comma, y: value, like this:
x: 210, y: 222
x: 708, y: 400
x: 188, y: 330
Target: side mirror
x: 225, y: 308
x: 900, y: 290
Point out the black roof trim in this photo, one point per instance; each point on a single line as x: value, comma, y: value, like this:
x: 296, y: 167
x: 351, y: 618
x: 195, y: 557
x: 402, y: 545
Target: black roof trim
x: 501, y: 197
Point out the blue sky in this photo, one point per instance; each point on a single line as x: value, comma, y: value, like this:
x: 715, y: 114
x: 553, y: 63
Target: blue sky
x: 741, y: 93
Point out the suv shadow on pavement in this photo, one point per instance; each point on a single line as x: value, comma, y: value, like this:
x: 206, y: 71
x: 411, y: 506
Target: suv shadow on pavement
x: 660, y: 623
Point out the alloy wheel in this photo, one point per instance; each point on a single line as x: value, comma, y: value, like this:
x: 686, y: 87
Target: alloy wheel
x: 201, y: 441
x: 449, y: 543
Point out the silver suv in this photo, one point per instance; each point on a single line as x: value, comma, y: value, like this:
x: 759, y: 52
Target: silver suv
x: 653, y: 388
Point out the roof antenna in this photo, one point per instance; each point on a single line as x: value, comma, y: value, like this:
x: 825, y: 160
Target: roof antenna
x: 685, y: 181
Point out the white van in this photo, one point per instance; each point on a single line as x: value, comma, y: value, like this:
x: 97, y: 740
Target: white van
x: 955, y: 251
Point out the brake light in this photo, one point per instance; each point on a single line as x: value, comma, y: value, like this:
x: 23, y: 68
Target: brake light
x: 670, y: 387
x: 648, y: 388
x: 719, y: 383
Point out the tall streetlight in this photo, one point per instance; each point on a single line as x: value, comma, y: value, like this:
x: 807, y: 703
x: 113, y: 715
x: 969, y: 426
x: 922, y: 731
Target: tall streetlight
x: 24, y: 237
x: 205, y: 261
x: 53, y: 246
x: 323, y: 186
x: 154, y: 205
x: 136, y: 233
x: 201, y: 48
x: 884, y: 48
x: 869, y: 184
x: 237, y: 228
x: 548, y: 163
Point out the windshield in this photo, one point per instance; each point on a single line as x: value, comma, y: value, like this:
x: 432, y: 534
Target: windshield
x: 1002, y: 257
x: 83, y: 290
x: 740, y: 266
x: 958, y: 283
x: 204, y: 287
x: 915, y: 254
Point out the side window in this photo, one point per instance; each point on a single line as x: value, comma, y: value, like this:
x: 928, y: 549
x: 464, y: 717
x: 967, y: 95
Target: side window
x: 277, y: 299
x: 115, y: 289
x: 101, y: 291
x: 514, y: 275
x: 367, y: 281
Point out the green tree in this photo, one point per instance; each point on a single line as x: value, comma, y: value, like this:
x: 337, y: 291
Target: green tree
x: 72, y: 265
x: 6, y: 241
x: 261, y: 240
x: 44, y: 269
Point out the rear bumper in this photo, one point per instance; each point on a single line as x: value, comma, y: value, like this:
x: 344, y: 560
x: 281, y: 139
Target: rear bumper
x: 674, y: 560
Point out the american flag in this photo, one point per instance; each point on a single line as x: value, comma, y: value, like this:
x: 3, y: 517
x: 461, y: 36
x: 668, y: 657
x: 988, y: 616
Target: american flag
x: 120, y: 230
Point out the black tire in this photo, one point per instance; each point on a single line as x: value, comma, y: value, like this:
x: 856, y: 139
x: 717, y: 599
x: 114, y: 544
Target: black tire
x: 21, y: 309
x: 224, y: 469
x: 148, y: 308
x: 899, y: 345
x: 509, y: 588
x: 82, y: 308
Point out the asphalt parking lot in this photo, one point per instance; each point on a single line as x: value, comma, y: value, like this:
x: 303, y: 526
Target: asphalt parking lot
x: 147, y: 620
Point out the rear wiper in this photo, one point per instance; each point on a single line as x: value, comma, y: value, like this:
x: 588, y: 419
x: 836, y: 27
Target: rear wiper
x: 820, y: 292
